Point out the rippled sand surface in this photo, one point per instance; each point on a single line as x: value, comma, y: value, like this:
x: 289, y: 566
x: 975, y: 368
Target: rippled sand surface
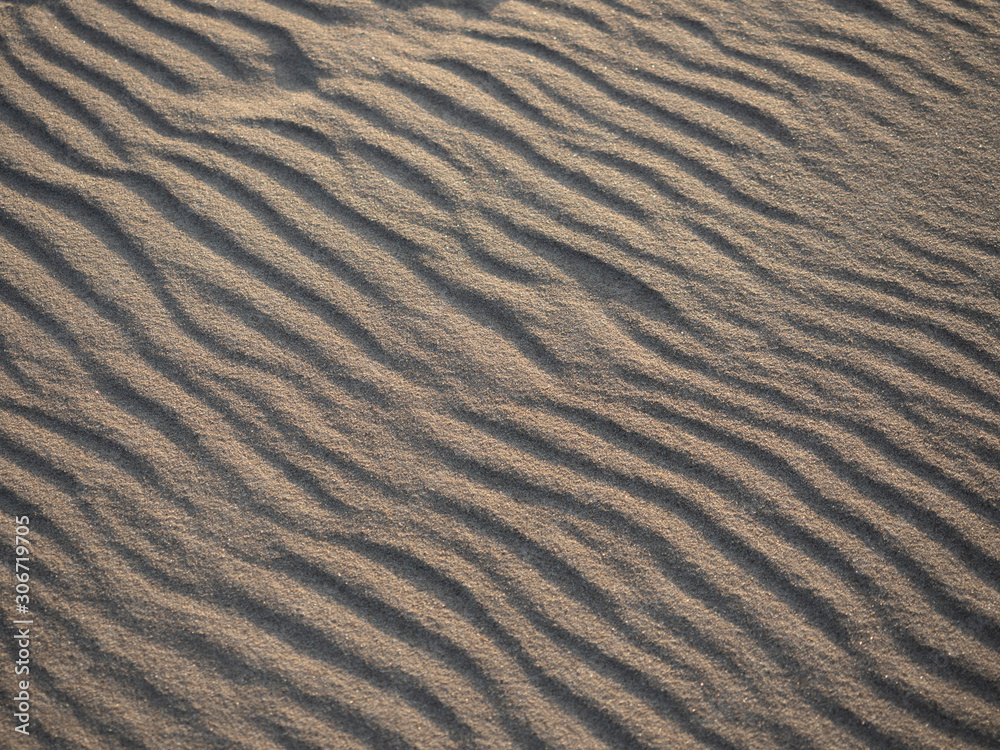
x: 523, y: 374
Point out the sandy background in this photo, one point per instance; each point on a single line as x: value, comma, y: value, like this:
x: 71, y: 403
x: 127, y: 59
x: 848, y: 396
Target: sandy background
x: 598, y: 373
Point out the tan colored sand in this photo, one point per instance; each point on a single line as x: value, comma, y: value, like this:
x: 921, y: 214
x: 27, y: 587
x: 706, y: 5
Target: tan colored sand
x: 502, y: 374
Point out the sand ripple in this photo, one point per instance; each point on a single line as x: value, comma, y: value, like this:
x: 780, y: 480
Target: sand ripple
x: 599, y: 373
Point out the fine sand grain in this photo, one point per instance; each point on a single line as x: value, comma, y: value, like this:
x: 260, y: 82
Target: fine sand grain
x: 533, y: 373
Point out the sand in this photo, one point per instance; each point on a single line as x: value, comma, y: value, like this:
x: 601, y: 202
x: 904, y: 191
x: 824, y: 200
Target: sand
x: 583, y: 374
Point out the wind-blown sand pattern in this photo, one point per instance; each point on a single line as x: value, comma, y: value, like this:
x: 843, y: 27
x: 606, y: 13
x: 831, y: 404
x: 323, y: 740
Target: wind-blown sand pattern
x: 598, y: 373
